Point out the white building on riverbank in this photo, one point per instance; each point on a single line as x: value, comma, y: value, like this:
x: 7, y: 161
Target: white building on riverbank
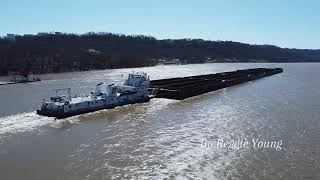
x: 11, y: 37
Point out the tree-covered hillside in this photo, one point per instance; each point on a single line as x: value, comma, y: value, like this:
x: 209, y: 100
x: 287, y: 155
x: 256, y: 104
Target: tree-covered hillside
x: 59, y: 52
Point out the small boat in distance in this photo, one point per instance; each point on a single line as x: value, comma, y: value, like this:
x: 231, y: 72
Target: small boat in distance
x: 134, y: 90
x: 27, y: 78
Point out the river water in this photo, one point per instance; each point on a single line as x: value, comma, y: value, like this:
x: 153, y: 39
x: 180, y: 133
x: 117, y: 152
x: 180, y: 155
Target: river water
x: 167, y: 138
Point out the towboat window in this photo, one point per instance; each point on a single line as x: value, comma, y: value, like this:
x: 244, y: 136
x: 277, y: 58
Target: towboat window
x: 114, y: 90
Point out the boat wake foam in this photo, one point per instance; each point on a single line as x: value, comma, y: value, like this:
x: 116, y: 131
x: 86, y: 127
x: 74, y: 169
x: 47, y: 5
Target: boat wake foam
x: 31, y: 121
x: 24, y: 122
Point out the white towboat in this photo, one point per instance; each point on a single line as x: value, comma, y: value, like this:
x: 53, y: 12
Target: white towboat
x: 134, y: 90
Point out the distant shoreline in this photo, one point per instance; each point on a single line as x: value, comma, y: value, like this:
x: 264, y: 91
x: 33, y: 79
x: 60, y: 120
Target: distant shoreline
x: 3, y: 78
x: 62, y: 52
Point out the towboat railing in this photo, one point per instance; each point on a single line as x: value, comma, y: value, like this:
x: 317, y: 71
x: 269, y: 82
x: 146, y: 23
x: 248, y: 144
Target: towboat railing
x: 64, y: 89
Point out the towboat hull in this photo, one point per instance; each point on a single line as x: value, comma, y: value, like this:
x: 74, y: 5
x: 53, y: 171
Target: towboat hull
x: 60, y: 114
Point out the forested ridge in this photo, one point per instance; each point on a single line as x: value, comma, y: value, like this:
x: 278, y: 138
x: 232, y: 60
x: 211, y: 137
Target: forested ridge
x: 62, y: 52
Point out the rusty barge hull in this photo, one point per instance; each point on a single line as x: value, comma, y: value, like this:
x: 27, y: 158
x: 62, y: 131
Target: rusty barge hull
x: 185, y: 87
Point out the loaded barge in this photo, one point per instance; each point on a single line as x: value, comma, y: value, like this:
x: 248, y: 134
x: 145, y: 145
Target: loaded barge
x: 138, y: 89
x: 185, y: 87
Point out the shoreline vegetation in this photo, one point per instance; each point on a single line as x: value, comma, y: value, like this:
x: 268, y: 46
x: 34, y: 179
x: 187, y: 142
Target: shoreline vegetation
x: 57, y: 52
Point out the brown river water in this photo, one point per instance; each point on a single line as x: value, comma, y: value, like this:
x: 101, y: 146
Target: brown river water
x: 168, y: 139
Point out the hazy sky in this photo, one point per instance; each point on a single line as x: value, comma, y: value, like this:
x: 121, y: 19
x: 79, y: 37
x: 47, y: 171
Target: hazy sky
x: 286, y: 23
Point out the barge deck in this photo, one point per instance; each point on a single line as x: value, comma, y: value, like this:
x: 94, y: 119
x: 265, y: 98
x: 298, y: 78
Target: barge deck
x: 185, y: 87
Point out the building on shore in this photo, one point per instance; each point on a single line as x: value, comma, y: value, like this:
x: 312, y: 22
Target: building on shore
x: 11, y: 37
x: 167, y: 62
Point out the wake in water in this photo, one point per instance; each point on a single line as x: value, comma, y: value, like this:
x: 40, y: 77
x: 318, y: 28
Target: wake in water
x: 23, y: 122
x: 30, y: 121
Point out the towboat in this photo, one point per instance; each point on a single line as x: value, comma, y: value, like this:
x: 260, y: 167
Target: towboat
x: 105, y: 96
